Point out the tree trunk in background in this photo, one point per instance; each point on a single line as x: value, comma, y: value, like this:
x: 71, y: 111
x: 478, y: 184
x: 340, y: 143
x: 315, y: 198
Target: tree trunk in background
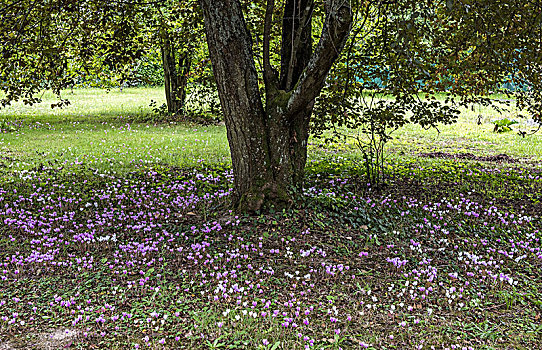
x: 269, y: 144
x: 175, y: 75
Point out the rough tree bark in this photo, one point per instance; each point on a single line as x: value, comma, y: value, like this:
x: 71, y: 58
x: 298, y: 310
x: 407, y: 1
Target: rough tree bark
x: 175, y: 74
x: 269, y: 144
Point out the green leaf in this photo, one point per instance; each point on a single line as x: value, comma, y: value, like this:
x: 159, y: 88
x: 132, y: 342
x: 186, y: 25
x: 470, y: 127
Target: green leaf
x: 149, y: 272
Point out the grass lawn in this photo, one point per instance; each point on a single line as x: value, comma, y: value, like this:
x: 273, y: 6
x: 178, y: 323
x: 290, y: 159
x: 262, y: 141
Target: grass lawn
x: 116, y: 233
x: 88, y: 105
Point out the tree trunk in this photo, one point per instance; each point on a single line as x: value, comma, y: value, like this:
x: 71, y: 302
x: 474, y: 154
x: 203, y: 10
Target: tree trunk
x: 268, y: 145
x: 175, y: 75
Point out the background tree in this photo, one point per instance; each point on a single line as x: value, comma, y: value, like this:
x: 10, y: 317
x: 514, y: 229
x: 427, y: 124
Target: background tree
x: 58, y: 44
x: 178, y: 27
x: 49, y: 44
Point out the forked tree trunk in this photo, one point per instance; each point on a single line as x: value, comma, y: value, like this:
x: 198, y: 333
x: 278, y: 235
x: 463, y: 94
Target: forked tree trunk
x: 175, y: 75
x: 269, y: 144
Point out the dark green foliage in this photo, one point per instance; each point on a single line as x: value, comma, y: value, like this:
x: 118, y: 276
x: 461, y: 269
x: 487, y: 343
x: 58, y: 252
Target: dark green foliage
x: 95, y: 43
x: 147, y: 71
x: 503, y: 125
x: 51, y: 44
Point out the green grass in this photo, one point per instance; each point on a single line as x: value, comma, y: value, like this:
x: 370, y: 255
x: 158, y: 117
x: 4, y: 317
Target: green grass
x: 88, y: 105
x: 105, y: 129
x: 115, y: 147
x: 466, y: 136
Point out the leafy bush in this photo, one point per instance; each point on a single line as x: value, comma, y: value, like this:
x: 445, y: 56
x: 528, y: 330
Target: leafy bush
x: 503, y: 125
x: 148, y: 71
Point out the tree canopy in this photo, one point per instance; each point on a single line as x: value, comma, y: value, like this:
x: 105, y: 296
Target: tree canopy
x: 46, y: 44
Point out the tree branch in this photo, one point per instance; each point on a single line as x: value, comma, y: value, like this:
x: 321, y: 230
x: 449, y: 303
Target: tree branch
x: 296, y: 47
x: 334, y: 34
x: 270, y: 75
x: 296, y: 40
